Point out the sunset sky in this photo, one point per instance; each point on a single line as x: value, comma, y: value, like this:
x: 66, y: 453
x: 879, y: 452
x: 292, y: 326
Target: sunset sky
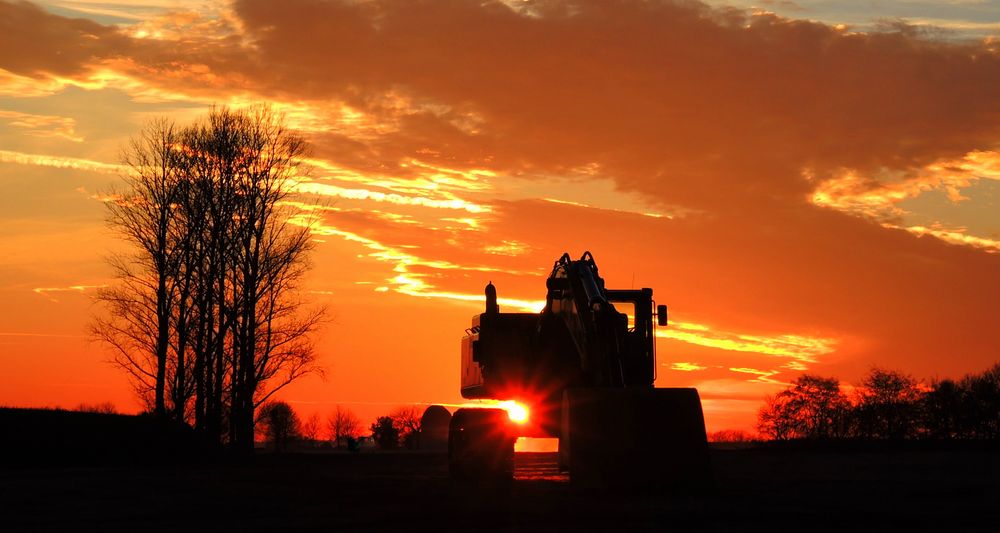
x: 810, y: 186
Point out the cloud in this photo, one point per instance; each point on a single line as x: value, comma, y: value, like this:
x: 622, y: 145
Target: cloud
x: 675, y: 100
x: 322, y: 189
x: 686, y: 367
x: 800, y: 348
x: 957, y: 236
x: 42, y: 125
x: 7, y: 156
x: 663, y: 96
x: 36, y: 43
x: 47, y: 292
x: 762, y: 376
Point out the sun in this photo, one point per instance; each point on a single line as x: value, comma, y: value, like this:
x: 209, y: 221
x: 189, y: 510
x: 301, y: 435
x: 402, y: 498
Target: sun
x: 518, y: 413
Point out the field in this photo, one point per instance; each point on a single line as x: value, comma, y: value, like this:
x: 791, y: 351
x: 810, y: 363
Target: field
x: 755, y: 489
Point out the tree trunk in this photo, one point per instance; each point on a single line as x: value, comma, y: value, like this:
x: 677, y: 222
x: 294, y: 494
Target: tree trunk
x: 162, y: 343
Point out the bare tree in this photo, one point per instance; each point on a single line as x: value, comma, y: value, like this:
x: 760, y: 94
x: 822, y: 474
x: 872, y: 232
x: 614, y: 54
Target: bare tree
x: 208, y: 308
x: 139, y: 327
x: 310, y: 428
x: 342, y: 425
x: 270, y: 335
x: 407, y: 420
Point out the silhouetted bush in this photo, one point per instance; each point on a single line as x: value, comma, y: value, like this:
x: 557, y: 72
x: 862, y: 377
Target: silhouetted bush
x: 941, y: 411
x: 731, y: 435
x: 279, y: 423
x: 106, y: 408
x: 812, y: 408
x: 385, y: 433
x: 981, y: 405
x: 887, y: 406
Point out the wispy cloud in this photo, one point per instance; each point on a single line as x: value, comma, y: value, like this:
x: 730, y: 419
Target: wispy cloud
x: 393, y: 198
x: 762, y: 376
x: 878, y: 196
x: 50, y: 292
x: 801, y: 348
x: 7, y: 156
x: 955, y: 236
x: 405, y: 281
x: 686, y: 367
x: 42, y: 125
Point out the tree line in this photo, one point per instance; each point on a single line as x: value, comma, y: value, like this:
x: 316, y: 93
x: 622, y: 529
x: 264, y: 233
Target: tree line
x: 205, y: 316
x: 280, y: 426
x: 887, y: 405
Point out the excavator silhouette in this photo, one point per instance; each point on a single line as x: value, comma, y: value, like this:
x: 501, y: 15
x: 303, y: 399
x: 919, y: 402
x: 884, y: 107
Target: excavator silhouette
x: 584, y: 368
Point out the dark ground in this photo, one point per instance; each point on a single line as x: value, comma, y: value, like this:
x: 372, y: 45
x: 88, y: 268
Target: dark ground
x: 756, y: 489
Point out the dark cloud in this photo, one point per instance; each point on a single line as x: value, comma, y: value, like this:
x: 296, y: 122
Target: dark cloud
x: 708, y: 108
x: 677, y: 100
x: 36, y: 43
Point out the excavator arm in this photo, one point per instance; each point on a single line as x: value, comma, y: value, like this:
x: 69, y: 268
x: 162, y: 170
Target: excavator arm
x: 576, y: 295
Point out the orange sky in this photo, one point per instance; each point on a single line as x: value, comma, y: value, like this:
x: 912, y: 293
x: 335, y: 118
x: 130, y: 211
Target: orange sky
x: 805, y: 195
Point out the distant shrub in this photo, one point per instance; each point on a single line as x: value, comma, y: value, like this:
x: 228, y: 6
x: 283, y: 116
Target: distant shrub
x: 104, y: 408
x: 732, y: 435
x: 279, y: 424
x: 385, y: 433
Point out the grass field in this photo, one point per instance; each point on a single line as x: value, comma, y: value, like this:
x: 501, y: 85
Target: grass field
x: 755, y: 489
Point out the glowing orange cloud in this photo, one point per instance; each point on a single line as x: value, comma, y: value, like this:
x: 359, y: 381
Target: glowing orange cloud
x: 800, y: 348
x: 48, y: 291
x: 43, y: 125
x: 364, y: 194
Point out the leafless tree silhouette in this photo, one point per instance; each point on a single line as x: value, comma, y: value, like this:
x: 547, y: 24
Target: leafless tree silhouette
x: 343, y: 424
x: 207, y: 308
x: 141, y: 304
x: 310, y: 429
x: 407, y: 420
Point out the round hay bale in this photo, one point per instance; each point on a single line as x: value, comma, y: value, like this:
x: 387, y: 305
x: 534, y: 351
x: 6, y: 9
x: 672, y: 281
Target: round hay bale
x: 434, y: 428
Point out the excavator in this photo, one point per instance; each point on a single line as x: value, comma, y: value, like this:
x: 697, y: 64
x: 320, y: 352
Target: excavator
x: 582, y: 370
